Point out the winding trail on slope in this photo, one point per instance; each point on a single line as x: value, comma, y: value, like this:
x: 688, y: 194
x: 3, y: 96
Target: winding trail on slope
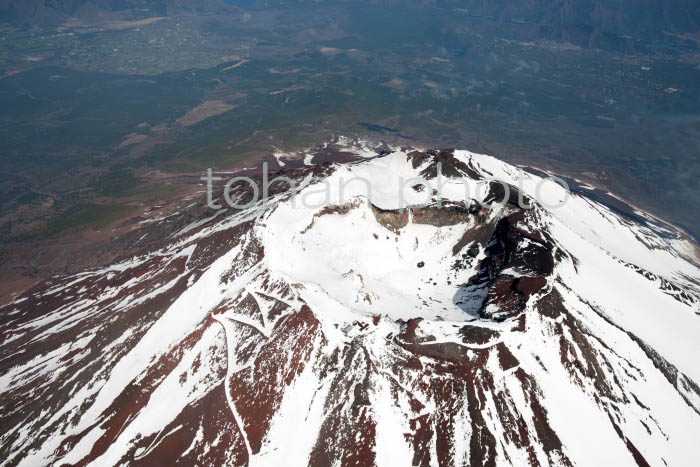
x: 227, y: 388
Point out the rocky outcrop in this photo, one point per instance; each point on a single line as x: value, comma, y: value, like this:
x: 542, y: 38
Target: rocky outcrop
x: 392, y: 219
x: 443, y: 161
x: 529, y: 259
x: 447, y: 213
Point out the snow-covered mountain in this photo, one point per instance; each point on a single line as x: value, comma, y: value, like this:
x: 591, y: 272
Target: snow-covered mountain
x: 364, y: 327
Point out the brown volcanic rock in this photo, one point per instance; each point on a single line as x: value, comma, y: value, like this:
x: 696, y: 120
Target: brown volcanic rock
x: 257, y: 391
x: 503, y: 299
x: 348, y: 432
x: 530, y: 285
x: 447, y: 214
x: 444, y: 162
x: 477, y: 335
x: 392, y: 219
x: 510, y: 247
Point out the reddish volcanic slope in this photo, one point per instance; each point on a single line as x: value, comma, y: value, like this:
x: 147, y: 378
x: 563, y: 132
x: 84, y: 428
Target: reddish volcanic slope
x: 368, y: 329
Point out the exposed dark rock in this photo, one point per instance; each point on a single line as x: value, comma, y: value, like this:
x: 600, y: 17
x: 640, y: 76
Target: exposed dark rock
x: 391, y: 219
x: 477, y: 335
x: 448, y: 165
x: 439, y: 216
x: 480, y: 234
x: 502, y: 300
x: 505, y: 357
x: 497, y: 192
x: 332, y: 209
x: 529, y: 285
x: 417, y: 158
x: 509, y: 247
x: 448, y: 351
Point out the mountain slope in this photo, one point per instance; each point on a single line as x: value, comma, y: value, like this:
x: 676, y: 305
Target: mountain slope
x: 329, y: 329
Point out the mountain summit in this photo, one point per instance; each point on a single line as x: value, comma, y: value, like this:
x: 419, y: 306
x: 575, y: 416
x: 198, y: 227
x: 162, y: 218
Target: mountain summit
x: 387, y: 311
